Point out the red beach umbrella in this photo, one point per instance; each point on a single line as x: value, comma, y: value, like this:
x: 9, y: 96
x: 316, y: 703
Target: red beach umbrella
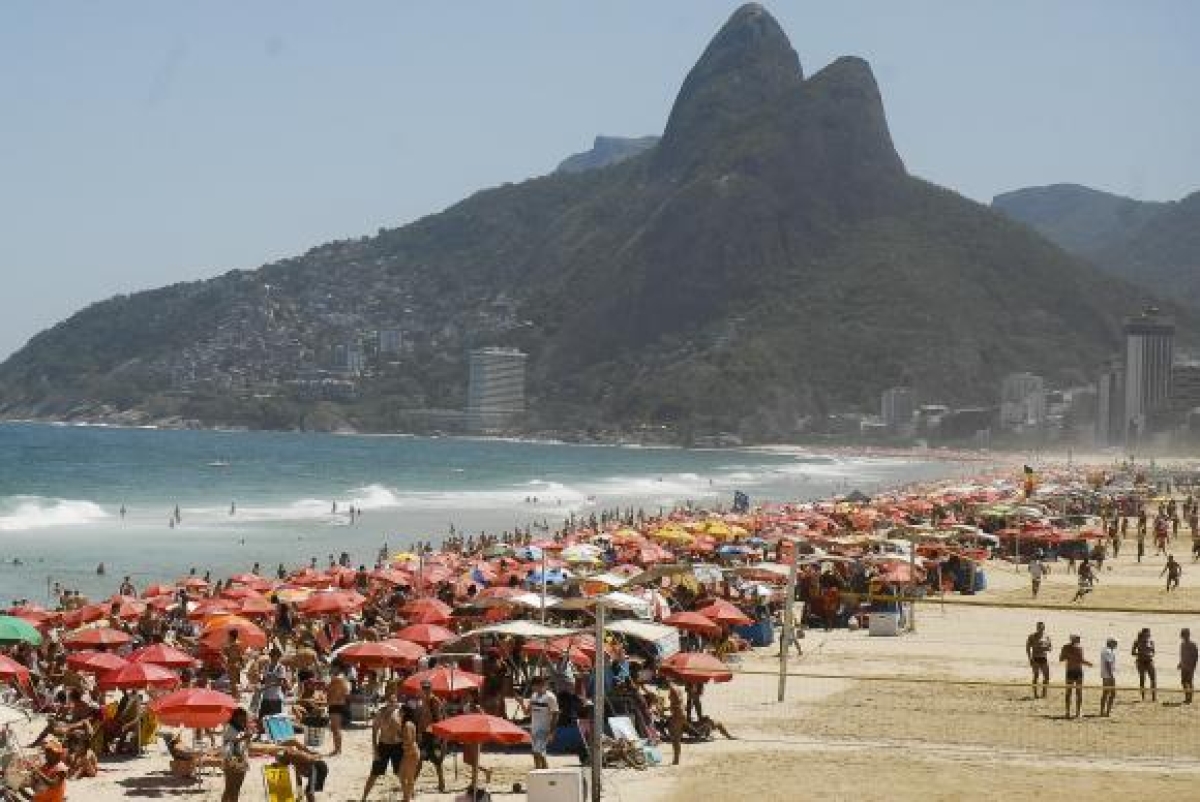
x: 139, y: 675
x: 93, y: 638
x: 429, y: 617
x: 255, y: 606
x: 444, y: 682
x: 95, y: 662
x: 428, y: 635
x: 693, y: 622
x: 480, y: 728
x: 10, y: 669
x: 333, y: 603
x: 162, y: 655
x: 696, y: 667
x: 379, y: 654
x: 199, y: 708
x: 722, y: 612
x: 422, y: 605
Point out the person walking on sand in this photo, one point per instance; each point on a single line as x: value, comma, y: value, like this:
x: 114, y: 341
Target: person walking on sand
x: 677, y: 721
x: 1037, y: 650
x: 1072, y: 655
x: 1143, y: 656
x: 1173, y: 570
x: 1108, y: 676
x: 1037, y: 569
x: 1188, y: 655
x: 386, y: 741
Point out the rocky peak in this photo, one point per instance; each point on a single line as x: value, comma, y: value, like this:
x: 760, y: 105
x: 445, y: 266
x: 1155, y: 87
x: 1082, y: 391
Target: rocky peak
x: 749, y: 65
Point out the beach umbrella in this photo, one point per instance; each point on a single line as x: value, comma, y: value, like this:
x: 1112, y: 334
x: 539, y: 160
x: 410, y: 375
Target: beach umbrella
x: 18, y: 630
x: 10, y: 669
x: 158, y: 590
x: 198, y: 708
x: 381, y: 654
x: 426, y: 604
x: 255, y: 606
x: 216, y: 632
x: 555, y: 651
x: 528, y: 553
x: 138, y: 675
x: 332, y: 603
x: 430, y: 636
x: 554, y: 576
x: 207, y: 608
x: 94, y: 638
x: 479, y: 728
x: 162, y: 655
x: 444, y: 682
x: 392, y: 577
x: 695, y: 667
x: 95, y: 662
x: 84, y: 615
x: 195, y: 583
x: 429, y: 617
x: 722, y: 612
x: 693, y: 622
x: 581, y: 553
x: 240, y: 592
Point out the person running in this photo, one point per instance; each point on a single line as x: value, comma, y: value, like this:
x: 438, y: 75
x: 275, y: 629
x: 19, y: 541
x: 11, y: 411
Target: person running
x: 1143, y: 655
x: 1037, y: 569
x: 1188, y: 655
x: 386, y: 741
x: 1086, y: 579
x: 1072, y: 655
x: 1174, y: 571
x: 1037, y: 650
x: 1108, y: 676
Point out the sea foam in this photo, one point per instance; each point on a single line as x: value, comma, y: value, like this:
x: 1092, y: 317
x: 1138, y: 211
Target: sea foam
x: 22, y: 513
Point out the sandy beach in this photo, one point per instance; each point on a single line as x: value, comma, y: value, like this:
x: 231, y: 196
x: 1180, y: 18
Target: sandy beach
x: 842, y: 739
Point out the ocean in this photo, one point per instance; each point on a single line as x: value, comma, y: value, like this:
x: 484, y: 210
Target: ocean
x: 270, y: 497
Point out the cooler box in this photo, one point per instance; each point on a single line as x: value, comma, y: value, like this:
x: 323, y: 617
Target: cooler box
x: 557, y: 785
x: 884, y: 624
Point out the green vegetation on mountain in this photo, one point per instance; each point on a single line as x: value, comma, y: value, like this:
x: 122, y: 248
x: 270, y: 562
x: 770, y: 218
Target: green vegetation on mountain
x: 769, y: 259
x: 1156, y: 245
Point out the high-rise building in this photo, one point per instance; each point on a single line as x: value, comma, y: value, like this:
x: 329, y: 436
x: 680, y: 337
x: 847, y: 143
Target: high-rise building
x: 897, y: 407
x: 495, y: 388
x: 1022, y: 400
x: 1149, y: 352
x: 390, y: 341
x: 1185, y: 387
x: 1110, y: 405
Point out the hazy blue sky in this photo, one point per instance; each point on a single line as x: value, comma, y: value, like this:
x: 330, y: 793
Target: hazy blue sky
x: 143, y: 143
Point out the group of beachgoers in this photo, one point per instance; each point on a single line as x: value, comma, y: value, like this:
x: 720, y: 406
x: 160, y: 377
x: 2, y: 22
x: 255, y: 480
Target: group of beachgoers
x: 418, y: 639
x: 1038, y: 647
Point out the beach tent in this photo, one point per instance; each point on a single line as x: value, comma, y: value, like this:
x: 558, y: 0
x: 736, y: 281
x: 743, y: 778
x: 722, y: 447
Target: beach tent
x: 663, y: 639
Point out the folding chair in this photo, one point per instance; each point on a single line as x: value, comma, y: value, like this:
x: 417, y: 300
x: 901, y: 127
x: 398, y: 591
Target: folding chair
x: 277, y: 781
x: 279, y: 728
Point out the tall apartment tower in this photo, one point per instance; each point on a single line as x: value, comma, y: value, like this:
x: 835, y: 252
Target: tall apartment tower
x: 1149, y: 352
x: 896, y: 407
x: 495, y: 388
x: 1110, y: 405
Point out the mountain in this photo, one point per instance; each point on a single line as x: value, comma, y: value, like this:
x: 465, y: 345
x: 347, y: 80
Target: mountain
x: 606, y: 151
x: 770, y: 258
x: 1156, y: 245
x: 1082, y: 220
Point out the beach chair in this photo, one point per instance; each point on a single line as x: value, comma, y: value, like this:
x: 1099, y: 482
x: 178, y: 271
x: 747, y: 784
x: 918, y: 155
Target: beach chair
x: 277, y: 781
x: 279, y: 728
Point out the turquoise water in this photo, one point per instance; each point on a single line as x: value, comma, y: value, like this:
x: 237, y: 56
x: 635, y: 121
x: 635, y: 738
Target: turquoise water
x: 62, y: 488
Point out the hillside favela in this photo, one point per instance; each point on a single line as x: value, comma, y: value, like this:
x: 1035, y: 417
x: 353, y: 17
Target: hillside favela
x: 565, y: 402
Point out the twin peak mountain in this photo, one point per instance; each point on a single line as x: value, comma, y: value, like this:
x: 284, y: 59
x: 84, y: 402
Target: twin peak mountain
x: 768, y: 259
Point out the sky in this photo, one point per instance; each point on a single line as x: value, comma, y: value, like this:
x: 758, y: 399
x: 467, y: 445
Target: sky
x: 144, y: 143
